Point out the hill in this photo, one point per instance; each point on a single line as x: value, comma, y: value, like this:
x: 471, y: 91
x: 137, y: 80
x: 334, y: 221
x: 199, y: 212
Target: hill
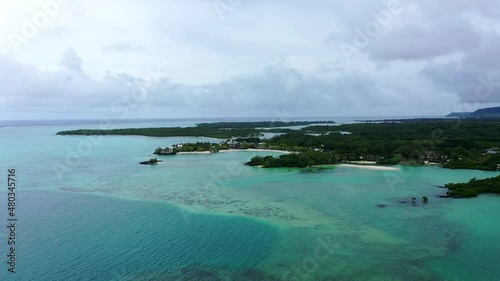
x: 459, y: 114
x: 492, y: 112
x: 487, y: 112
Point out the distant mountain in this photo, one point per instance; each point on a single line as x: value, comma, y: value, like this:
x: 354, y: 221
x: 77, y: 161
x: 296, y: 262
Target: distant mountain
x: 459, y: 114
x: 492, y: 112
x: 487, y: 112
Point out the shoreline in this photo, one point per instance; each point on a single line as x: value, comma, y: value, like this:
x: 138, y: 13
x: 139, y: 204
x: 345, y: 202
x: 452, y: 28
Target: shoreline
x: 257, y: 150
x: 237, y: 150
x: 194, y: 152
x: 369, y: 167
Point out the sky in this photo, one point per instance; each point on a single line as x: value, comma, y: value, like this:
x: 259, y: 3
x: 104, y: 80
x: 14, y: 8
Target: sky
x: 247, y: 58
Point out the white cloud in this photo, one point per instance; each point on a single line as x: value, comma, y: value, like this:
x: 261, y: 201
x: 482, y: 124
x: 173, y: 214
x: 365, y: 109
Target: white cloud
x: 71, y: 61
x: 261, y: 93
x: 263, y: 56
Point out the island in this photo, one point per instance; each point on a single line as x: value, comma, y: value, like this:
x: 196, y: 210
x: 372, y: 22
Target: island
x: 221, y: 130
x: 471, y: 143
x: 209, y: 147
x: 474, y: 187
x: 152, y: 161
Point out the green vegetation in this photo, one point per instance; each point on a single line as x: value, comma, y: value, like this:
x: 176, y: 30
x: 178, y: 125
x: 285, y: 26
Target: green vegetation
x: 455, y: 144
x: 474, y: 187
x: 249, y: 140
x: 259, y: 124
x: 475, y: 161
x: 221, y: 130
x: 241, y: 143
x: 452, y: 143
x: 302, y: 160
x: 199, y: 146
x: 152, y: 161
x: 170, y: 132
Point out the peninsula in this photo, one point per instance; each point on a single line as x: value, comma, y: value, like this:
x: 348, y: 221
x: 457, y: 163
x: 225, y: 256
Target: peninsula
x: 221, y: 130
x: 451, y: 143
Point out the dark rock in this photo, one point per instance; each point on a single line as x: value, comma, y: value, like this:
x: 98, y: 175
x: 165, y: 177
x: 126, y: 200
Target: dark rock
x: 150, y: 162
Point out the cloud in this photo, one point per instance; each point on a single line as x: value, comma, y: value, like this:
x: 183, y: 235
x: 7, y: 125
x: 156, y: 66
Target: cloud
x: 485, y: 56
x: 71, y: 61
x: 57, y: 31
x: 262, y: 57
x: 418, y: 30
x: 262, y: 93
x: 475, y: 77
x: 414, y: 42
x: 123, y: 47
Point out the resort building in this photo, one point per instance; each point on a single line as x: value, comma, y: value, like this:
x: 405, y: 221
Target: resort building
x: 165, y: 151
x: 493, y: 150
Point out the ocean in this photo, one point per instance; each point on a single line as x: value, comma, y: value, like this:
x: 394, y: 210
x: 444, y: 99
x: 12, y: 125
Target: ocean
x: 86, y: 210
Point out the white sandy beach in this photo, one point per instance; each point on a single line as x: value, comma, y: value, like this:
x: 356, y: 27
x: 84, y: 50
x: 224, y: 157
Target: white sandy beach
x: 370, y: 167
x: 257, y: 150
x: 195, y: 152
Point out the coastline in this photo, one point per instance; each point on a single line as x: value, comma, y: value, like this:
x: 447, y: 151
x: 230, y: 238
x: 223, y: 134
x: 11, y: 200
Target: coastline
x: 237, y: 150
x: 369, y: 167
x: 258, y: 150
x: 195, y: 152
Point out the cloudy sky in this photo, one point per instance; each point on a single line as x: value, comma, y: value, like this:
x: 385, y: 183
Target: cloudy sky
x: 242, y: 58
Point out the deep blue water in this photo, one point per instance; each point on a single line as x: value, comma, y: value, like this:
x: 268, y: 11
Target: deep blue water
x: 65, y: 236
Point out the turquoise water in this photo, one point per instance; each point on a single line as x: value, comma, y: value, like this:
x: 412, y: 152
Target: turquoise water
x: 208, y: 217
x: 84, y: 237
